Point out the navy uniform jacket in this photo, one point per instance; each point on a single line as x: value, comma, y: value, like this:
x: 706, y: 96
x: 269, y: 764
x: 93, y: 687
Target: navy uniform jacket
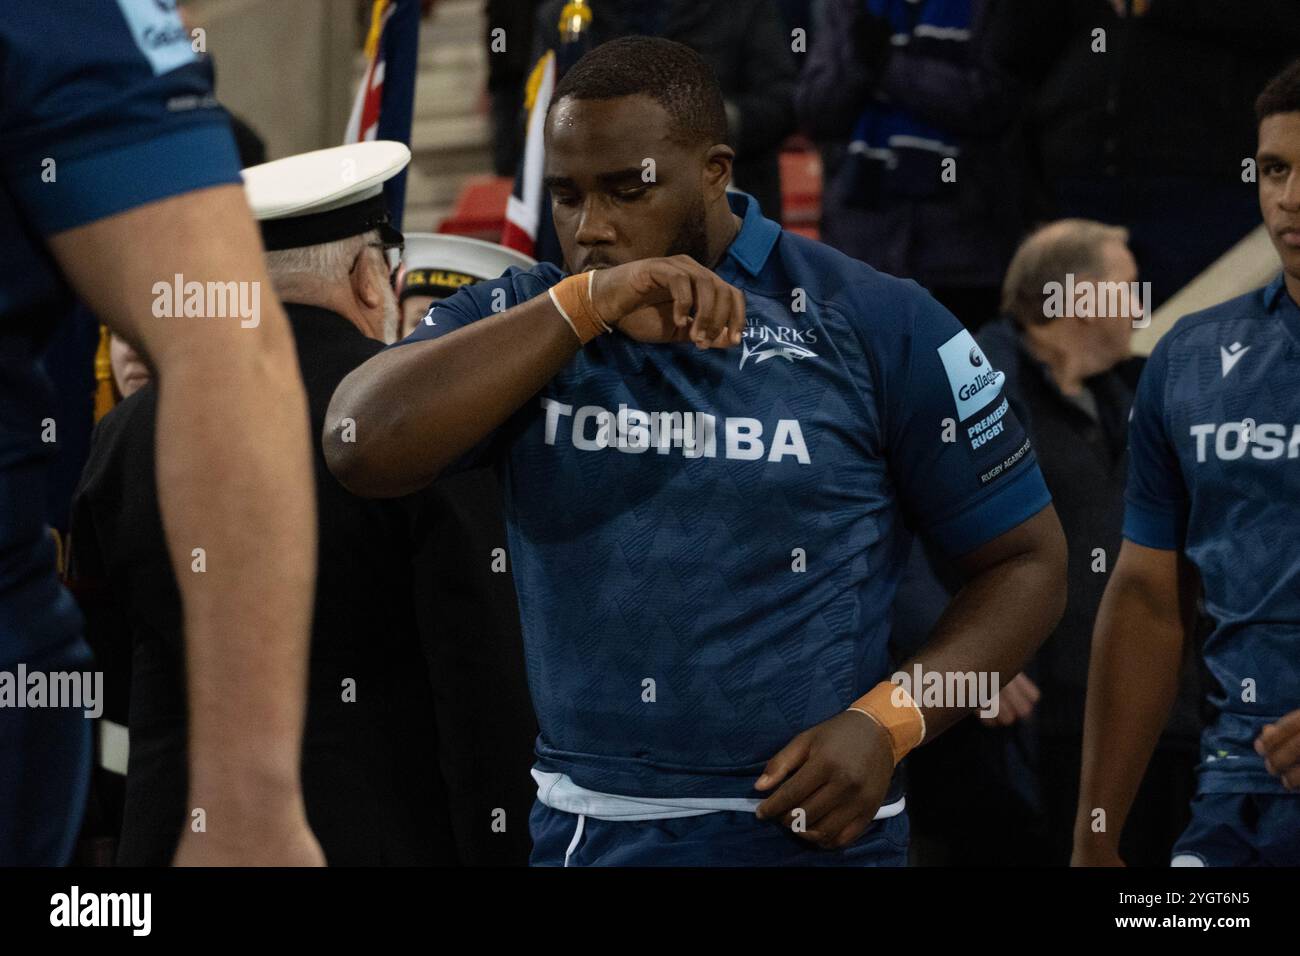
x: 373, y: 790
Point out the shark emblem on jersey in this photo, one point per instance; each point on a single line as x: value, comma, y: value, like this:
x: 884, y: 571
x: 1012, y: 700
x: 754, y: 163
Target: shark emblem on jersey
x: 1231, y: 356
x: 771, y: 348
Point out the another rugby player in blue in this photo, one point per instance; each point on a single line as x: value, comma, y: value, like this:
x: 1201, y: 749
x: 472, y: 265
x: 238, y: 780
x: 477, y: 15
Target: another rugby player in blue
x: 1214, y: 493
x: 712, y: 448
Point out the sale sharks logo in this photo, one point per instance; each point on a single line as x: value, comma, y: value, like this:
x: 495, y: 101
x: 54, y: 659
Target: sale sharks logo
x: 763, y: 342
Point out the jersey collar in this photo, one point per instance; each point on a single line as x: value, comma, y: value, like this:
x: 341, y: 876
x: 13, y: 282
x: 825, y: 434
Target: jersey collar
x: 1275, y: 293
x: 753, y: 244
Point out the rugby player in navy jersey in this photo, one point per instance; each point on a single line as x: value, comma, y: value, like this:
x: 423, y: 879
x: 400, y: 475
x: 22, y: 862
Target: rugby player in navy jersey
x: 1213, y: 505
x: 713, y: 436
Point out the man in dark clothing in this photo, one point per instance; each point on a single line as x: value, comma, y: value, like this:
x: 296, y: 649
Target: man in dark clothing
x: 1069, y: 377
x: 749, y: 48
x: 371, y: 787
x: 1135, y: 107
x: 369, y: 764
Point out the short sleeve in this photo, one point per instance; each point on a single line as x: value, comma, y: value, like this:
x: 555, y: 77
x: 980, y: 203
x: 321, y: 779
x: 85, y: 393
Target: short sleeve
x: 1155, y: 500
x: 962, y: 463
x: 107, y: 107
x: 458, y: 310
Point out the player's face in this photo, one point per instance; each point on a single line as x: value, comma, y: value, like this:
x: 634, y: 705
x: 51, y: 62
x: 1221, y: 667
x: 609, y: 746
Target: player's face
x: 621, y: 188
x: 1278, y: 162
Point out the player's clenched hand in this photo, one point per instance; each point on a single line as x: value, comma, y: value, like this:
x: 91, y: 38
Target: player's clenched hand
x: 670, y: 300
x: 841, y: 770
x: 1279, y: 745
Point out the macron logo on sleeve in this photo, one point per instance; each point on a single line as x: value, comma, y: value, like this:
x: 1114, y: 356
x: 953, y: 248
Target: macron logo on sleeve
x: 1231, y: 355
x: 973, y: 381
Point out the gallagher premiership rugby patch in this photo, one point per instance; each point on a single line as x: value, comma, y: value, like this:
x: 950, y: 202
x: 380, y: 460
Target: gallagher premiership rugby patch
x: 158, y: 32
x: 974, y: 382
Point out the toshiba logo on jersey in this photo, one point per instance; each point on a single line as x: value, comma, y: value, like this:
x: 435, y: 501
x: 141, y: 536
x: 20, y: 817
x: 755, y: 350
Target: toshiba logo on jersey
x: 693, y: 434
x: 1265, y: 441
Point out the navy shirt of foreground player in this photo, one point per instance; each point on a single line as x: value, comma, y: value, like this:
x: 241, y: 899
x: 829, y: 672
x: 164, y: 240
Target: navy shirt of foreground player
x: 1214, y: 471
x: 706, y: 543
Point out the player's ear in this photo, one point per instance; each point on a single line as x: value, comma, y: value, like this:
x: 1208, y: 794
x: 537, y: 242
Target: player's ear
x: 717, y: 169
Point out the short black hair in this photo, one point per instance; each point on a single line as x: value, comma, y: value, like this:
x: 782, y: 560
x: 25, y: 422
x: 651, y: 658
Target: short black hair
x: 672, y: 74
x: 1282, y: 95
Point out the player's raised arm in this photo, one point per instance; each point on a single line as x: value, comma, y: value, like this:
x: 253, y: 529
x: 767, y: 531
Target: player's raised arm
x: 235, y: 490
x: 1137, y: 648
x: 396, y: 422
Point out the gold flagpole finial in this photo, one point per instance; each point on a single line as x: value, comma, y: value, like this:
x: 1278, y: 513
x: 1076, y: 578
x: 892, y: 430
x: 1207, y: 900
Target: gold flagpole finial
x: 105, y: 398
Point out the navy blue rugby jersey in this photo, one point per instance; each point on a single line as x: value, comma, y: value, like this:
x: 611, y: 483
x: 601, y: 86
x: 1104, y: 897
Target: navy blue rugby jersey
x: 1214, y: 470
x: 706, y: 544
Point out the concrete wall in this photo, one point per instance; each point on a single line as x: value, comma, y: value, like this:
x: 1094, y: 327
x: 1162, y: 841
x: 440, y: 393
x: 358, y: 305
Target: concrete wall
x: 287, y: 67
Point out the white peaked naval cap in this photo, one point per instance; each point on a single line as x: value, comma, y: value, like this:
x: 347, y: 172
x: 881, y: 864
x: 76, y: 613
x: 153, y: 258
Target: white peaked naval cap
x: 324, y: 195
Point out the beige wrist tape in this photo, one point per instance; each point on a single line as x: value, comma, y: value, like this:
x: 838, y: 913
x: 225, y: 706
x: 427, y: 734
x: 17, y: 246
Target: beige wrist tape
x: 572, y: 297
x: 893, y: 708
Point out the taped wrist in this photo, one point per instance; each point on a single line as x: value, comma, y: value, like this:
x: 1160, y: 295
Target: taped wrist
x: 893, y: 708
x: 572, y: 297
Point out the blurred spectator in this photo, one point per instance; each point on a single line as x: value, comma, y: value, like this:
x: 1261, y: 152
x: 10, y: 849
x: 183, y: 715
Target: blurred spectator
x: 1140, y: 115
x: 913, y: 119
x: 747, y: 44
x: 1068, y: 381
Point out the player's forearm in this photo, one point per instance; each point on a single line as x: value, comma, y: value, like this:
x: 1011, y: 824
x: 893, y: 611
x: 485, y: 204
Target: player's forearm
x: 237, y: 497
x: 995, y: 623
x: 1137, y: 648
x: 397, y: 421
